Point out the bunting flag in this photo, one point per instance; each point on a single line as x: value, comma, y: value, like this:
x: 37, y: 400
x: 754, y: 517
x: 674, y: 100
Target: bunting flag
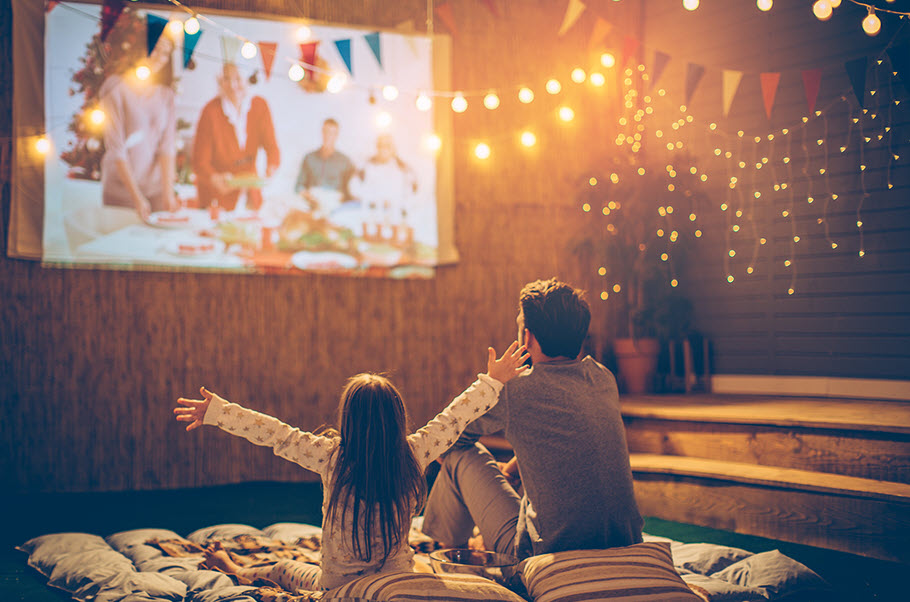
x: 50, y: 5
x: 602, y: 29
x: 812, y: 81
x: 110, y: 12
x: 491, y: 6
x: 189, y: 46
x: 308, y: 58
x: 856, y: 71
x: 408, y: 27
x: 660, y: 63
x: 344, y: 49
x: 154, y: 28
x: 444, y: 12
x: 730, y: 84
x: 372, y: 40
x: 694, y: 73
x: 573, y: 12
x: 769, y: 82
x: 900, y: 63
x: 230, y: 47
x: 267, y: 50
x: 629, y: 47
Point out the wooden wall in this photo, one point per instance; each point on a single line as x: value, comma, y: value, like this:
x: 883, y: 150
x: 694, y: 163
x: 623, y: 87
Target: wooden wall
x: 92, y: 361
x: 849, y: 316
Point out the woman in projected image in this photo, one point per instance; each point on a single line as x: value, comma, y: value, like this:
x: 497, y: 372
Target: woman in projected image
x: 138, y: 100
x: 386, y: 186
x: 372, y: 470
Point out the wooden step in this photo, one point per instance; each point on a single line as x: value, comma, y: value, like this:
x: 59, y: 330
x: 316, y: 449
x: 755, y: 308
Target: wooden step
x: 856, y: 515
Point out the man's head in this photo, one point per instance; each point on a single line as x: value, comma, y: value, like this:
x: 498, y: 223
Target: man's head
x: 329, y: 134
x: 231, y: 84
x: 556, y: 315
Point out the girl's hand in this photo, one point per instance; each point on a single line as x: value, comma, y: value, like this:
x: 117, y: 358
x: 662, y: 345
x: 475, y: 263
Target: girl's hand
x: 509, y: 365
x: 195, y: 410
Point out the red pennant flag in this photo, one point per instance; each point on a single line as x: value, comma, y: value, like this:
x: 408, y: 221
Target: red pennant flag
x: 769, y: 82
x: 444, y: 12
x: 308, y: 58
x: 491, y: 6
x: 51, y: 4
x: 267, y: 50
x: 629, y: 47
x: 812, y: 81
x: 110, y: 12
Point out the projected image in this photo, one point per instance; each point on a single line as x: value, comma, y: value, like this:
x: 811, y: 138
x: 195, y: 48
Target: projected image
x: 250, y: 145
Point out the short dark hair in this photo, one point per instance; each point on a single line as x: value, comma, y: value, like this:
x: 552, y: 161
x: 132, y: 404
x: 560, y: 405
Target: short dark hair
x: 557, y: 315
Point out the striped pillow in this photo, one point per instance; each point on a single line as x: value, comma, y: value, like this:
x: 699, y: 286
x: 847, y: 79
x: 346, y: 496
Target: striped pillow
x: 414, y: 587
x: 638, y: 573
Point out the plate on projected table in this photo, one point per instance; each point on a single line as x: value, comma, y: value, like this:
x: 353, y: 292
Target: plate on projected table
x: 184, y: 219
x: 325, y: 260
x: 195, y: 247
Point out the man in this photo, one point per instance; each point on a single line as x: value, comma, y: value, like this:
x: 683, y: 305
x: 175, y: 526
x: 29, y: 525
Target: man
x: 562, y: 418
x: 232, y: 128
x: 326, y: 172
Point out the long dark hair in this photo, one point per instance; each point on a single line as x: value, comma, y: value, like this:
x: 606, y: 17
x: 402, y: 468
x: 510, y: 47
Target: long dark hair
x: 376, y: 475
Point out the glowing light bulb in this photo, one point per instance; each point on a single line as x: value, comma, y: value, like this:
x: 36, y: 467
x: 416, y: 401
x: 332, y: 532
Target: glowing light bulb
x: 389, y: 92
x: 604, y: 295
x: 528, y: 139
x: 607, y: 60
x: 336, y: 83
x: 43, y: 145
x: 553, y: 86
x: 822, y: 9
x: 191, y: 26
x: 383, y: 120
x: 586, y: 208
x: 175, y: 26
x: 491, y: 101
x: 482, y: 151
x: 566, y: 114
x: 690, y: 4
x: 423, y: 102
x: 597, y: 79
x: 295, y: 73
x: 96, y: 116
x: 872, y: 24
x: 578, y: 75
x: 248, y: 50
x: 143, y: 72
x: 616, y: 288
x: 433, y: 142
x: 836, y: 3
x: 764, y: 5
x: 459, y: 104
x: 303, y: 33
x: 525, y: 95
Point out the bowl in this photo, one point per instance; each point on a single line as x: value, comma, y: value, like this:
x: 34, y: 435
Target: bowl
x: 489, y: 565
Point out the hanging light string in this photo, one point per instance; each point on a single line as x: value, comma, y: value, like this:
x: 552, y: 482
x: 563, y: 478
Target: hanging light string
x: 878, y: 9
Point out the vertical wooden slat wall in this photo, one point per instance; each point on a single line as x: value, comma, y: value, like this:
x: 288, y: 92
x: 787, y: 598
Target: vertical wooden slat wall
x: 92, y: 361
x: 849, y: 316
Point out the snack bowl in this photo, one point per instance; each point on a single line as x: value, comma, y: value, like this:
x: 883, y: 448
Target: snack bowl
x: 489, y: 565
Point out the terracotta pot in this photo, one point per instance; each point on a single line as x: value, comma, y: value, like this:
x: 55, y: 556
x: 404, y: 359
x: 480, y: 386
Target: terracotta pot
x: 637, y: 363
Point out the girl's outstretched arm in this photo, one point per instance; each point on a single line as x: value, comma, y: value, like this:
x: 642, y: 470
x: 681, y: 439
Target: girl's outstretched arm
x: 306, y: 449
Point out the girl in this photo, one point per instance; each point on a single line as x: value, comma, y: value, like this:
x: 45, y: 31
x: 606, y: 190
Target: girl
x: 372, y: 471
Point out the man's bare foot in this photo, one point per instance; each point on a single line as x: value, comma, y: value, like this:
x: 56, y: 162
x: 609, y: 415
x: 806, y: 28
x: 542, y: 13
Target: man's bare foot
x: 476, y: 543
x: 216, y: 557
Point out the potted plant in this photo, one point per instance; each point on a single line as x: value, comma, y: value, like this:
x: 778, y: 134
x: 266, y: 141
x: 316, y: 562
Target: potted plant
x: 642, y: 218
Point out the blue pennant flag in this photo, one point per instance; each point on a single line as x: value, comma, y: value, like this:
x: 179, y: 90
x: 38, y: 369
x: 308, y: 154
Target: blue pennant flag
x: 344, y: 49
x: 155, y: 27
x: 189, y: 45
x: 373, y: 42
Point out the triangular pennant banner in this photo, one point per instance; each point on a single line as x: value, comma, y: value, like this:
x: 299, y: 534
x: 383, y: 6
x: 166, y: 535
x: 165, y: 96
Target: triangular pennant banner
x: 694, y: 73
x: 408, y: 27
x: 769, y: 82
x: 444, y: 12
x: 629, y: 48
x: 372, y: 40
x: 660, y: 63
x: 856, y: 71
x: 189, y: 46
x: 268, y: 50
x: 729, y: 85
x: 308, y: 57
x: 900, y: 62
x: 812, y: 81
x: 230, y: 47
x: 573, y: 11
x: 491, y: 6
x: 602, y: 29
x: 344, y: 49
x: 50, y: 5
x: 110, y: 12
x: 154, y: 28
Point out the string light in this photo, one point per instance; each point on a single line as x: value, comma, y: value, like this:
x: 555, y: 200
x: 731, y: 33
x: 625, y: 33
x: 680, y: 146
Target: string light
x: 528, y: 139
x: 43, y: 145
x: 423, y: 102
x: 191, y: 26
x: 872, y: 24
x: 459, y: 104
x: 598, y: 79
x: 553, y: 86
x: 607, y: 60
x: 296, y: 73
x: 578, y: 75
x: 248, y: 50
x: 690, y: 4
x: 433, y: 143
x: 143, y: 72
x: 336, y: 83
x: 822, y: 10
x: 482, y: 151
x: 389, y: 92
x: 491, y: 101
x: 96, y: 116
x: 302, y: 34
x: 764, y: 5
x: 566, y: 114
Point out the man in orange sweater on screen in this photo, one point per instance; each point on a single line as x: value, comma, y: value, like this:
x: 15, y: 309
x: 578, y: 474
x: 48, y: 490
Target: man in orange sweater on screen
x: 232, y: 128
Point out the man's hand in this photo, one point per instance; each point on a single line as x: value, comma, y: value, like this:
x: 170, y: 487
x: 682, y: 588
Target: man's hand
x: 195, y: 409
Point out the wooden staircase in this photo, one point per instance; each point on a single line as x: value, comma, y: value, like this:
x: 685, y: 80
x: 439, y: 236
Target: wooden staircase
x: 832, y: 473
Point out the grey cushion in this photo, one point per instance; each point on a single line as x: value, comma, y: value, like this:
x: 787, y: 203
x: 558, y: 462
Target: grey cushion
x: 777, y: 574
x: 47, y: 550
x: 706, y: 558
x: 226, y: 531
x: 153, y: 586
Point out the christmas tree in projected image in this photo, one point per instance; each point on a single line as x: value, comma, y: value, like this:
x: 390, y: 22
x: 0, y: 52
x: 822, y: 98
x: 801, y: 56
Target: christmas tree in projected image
x: 123, y: 48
